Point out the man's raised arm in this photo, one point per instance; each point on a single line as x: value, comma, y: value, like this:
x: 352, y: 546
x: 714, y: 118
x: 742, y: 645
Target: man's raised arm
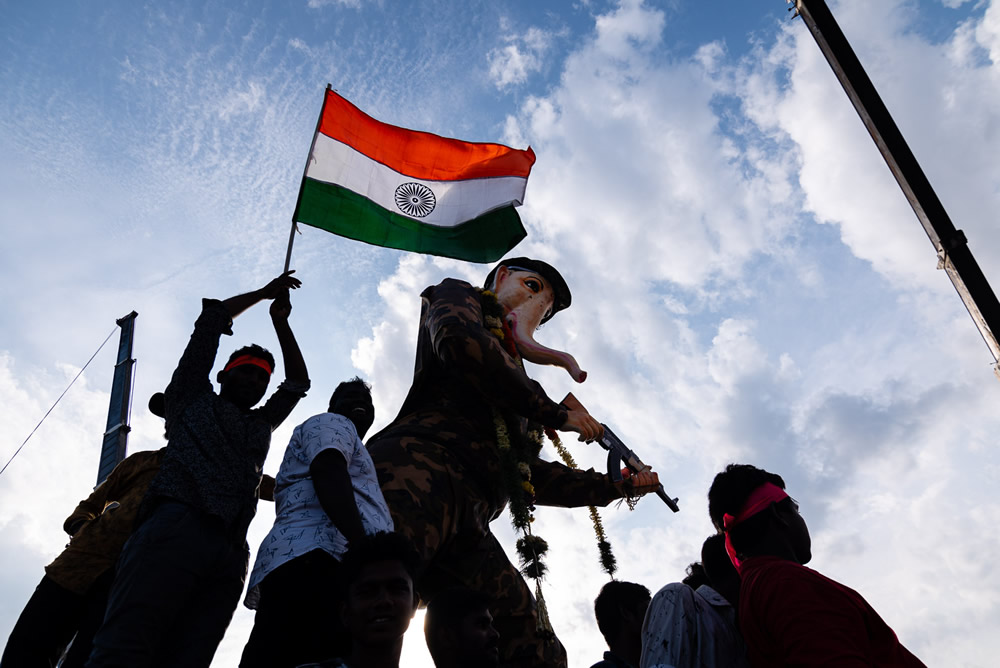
x: 291, y: 356
x: 296, y: 382
x: 278, y: 286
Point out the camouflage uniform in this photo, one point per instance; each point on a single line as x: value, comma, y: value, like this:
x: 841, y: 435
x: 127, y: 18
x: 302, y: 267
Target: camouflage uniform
x: 439, y: 466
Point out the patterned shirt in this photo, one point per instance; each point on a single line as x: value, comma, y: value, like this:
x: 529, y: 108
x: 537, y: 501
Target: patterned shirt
x: 215, y: 451
x: 687, y: 628
x: 301, y: 525
x: 109, y: 515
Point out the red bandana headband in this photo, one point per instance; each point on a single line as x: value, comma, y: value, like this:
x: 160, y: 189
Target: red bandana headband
x: 249, y: 359
x: 759, y: 499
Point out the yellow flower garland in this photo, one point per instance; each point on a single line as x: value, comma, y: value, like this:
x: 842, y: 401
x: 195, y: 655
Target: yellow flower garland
x: 531, y: 547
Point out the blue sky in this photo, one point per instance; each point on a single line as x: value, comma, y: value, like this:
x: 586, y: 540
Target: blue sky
x: 749, y: 284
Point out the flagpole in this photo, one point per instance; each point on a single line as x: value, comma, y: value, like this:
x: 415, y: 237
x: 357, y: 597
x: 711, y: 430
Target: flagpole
x: 291, y: 240
x: 298, y: 200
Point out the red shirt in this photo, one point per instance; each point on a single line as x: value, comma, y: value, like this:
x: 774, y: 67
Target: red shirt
x: 791, y: 615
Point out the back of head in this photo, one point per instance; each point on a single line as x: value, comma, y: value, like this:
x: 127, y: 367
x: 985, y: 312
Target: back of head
x: 740, y: 495
x: 721, y: 573
x: 615, y: 599
x: 442, y: 625
x: 696, y: 575
x: 731, y: 489
x: 356, y: 382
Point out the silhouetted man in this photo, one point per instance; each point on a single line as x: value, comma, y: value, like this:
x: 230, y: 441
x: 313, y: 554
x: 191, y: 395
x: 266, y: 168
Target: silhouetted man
x: 326, y: 497
x: 181, y: 573
x: 620, y: 609
x: 73, y: 594
x: 459, y: 630
x: 691, y: 624
x: 791, y: 615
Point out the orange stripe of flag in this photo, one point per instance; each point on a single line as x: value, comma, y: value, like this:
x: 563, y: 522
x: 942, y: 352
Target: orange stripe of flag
x: 421, y: 155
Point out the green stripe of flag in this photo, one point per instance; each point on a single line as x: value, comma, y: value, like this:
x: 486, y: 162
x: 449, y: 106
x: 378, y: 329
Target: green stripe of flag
x: 341, y: 211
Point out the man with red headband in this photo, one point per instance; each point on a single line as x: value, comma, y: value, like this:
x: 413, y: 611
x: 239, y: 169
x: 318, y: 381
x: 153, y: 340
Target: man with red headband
x: 440, y: 463
x: 181, y: 573
x: 791, y: 615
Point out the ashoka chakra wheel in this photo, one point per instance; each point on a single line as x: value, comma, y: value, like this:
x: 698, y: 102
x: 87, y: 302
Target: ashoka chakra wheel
x: 415, y: 199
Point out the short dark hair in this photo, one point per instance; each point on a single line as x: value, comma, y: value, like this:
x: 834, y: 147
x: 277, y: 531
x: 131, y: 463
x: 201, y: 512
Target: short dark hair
x: 254, y: 351
x: 730, y: 491
x: 696, y: 575
x: 347, y: 384
x: 446, y: 611
x: 373, y: 548
x: 716, y: 563
x: 616, y: 596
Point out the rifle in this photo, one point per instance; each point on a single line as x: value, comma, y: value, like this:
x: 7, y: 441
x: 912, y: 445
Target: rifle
x: 619, y: 453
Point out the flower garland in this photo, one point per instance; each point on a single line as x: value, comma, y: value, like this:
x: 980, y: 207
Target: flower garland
x: 608, y: 562
x: 514, y: 457
x: 521, y: 494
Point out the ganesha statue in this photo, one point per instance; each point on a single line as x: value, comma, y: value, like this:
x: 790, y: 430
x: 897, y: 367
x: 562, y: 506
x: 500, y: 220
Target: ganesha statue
x: 440, y: 462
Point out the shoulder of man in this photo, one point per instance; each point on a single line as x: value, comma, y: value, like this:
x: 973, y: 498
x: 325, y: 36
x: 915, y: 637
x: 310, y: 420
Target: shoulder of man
x: 712, y: 597
x: 448, y: 285
x: 326, y: 422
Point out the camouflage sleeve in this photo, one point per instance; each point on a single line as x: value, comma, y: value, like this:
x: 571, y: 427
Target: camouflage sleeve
x: 87, y: 509
x: 454, y: 320
x: 559, y: 485
x: 132, y: 470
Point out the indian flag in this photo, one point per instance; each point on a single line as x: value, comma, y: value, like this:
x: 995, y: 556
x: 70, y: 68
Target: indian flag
x: 412, y: 190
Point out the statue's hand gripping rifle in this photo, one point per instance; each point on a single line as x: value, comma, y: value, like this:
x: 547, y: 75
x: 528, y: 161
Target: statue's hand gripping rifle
x: 618, y: 454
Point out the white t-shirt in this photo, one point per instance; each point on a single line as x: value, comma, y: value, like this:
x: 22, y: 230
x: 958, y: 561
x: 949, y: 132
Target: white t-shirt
x: 685, y: 628
x: 300, y: 524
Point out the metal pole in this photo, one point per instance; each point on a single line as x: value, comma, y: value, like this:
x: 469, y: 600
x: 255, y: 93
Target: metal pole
x: 950, y: 244
x: 298, y: 200
x: 116, y: 433
x: 291, y: 240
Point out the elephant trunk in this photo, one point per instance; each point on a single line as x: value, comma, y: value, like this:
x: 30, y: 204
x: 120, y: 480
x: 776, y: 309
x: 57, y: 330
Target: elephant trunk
x: 536, y: 353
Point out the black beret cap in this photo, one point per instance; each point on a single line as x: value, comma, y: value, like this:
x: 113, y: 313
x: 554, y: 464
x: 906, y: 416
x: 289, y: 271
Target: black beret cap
x: 563, y: 298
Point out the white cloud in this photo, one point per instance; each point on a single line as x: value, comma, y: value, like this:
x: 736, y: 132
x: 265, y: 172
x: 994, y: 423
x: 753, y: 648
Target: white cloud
x: 734, y: 354
x: 936, y: 96
x: 693, y: 203
x: 509, y: 65
x: 242, y: 101
x: 319, y: 4
x: 299, y: 45
x: 988, y: 33
x: 522, y: 56
x: 630, y: 26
